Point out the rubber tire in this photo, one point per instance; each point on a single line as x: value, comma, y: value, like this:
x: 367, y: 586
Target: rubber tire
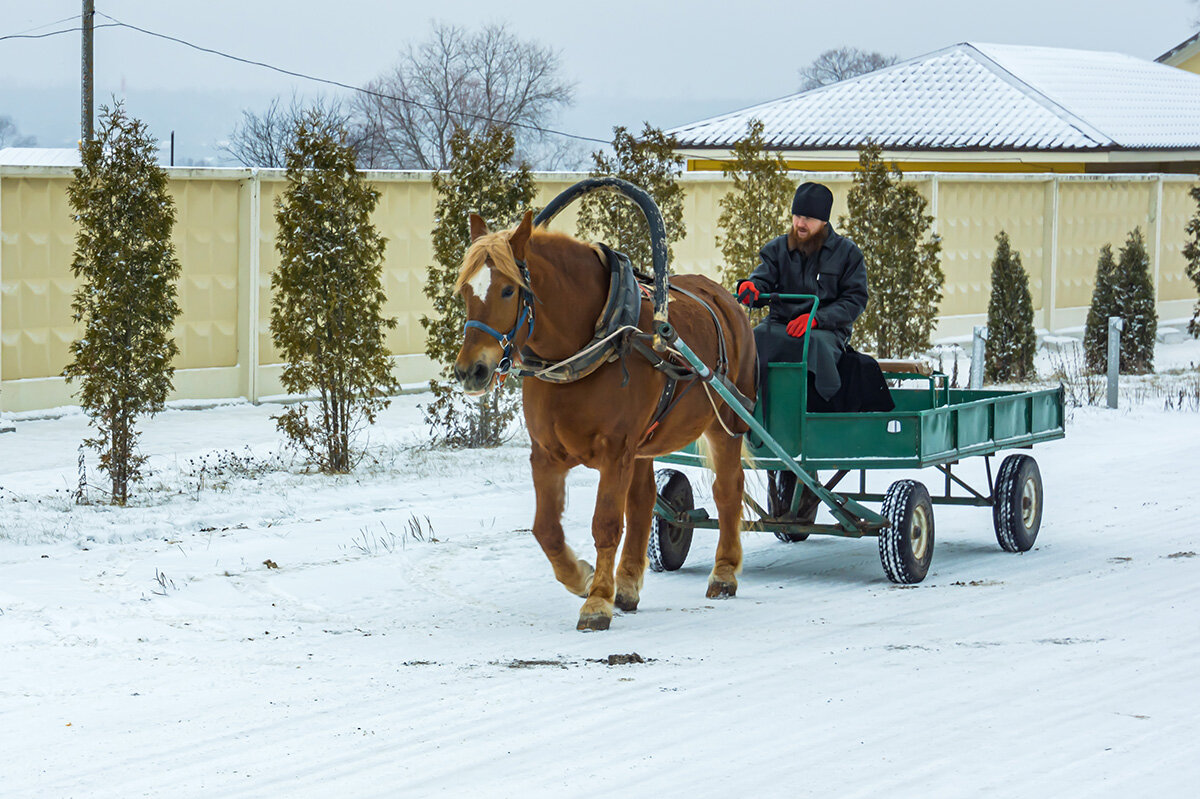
x: 905, y: 504
x: 781, y: 486
x: 1017, y: 503
x: 669, y: 543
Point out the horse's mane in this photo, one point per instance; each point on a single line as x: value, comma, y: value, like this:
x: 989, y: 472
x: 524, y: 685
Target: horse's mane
x: 494, y: 247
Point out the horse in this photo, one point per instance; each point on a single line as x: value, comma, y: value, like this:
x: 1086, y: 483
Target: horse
x: 610, y: 420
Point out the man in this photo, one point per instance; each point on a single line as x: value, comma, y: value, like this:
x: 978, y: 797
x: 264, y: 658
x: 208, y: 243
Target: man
x: 810, y: 259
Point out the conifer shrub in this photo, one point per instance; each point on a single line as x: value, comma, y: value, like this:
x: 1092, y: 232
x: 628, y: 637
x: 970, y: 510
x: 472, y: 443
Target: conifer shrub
x: 1135, y: 292
x: 1103, y: 305
x: 327, y: 303
x: 888, y: 222
x: 756, y: 210
x: 1011, y: 341
x: 1192, y: 252
x: 482, y: 178
x: 650, y: 163
x: 125, y: 302
x: 1123, y: 289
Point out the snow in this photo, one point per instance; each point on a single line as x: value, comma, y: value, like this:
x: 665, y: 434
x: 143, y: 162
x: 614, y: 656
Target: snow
x: 247, y: 629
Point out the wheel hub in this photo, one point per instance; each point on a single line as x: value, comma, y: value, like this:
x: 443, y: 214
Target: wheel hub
x: 1029, y: 503
x: 918, y: 533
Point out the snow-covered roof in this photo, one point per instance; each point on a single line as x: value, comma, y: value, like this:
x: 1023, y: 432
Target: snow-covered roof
x: 982, y: 96
x: 39, y: 156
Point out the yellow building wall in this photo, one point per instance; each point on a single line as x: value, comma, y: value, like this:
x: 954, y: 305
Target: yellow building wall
x: 225, y: 236
x: 1191, y: 64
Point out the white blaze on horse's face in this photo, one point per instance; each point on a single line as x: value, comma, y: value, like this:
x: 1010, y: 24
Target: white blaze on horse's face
x: 481, y: 282
x: 481, y: 353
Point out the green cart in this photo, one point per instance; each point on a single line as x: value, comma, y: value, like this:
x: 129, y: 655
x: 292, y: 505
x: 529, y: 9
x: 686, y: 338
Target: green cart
x: 932, y: 425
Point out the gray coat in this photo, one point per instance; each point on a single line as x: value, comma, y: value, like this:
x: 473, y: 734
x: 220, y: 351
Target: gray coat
x: 835, y: 273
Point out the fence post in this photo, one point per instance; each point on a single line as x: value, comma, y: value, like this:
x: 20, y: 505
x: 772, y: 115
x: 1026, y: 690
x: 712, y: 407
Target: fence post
x: 1115, y: 325
x: 978, y: 337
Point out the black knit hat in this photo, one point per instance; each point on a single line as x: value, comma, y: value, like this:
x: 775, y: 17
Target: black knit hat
x: 813, y: 200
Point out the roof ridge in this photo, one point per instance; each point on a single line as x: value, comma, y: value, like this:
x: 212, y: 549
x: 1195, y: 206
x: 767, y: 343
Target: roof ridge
x: 1084, y: 127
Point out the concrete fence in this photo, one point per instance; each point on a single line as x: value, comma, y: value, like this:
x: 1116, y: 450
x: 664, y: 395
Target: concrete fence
x: 225, y: 236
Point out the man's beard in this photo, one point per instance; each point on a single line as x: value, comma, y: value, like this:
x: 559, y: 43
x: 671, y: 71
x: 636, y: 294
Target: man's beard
x: 804, y: 238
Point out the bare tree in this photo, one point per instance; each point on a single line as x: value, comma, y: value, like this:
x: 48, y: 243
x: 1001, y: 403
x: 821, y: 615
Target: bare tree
x: 458, y: 78
x: 11, y: 137
x: 263, y: 140
x: 832, y: 66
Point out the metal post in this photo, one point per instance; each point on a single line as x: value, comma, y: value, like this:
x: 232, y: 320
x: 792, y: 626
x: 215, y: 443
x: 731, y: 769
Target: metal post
x: 977, y: 349
x: 85, y: 78
x: 1115, y: 325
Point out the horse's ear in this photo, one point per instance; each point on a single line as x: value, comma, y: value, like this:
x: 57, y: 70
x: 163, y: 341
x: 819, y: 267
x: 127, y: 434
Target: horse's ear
x: 478, y: 227
x: 520, y: 237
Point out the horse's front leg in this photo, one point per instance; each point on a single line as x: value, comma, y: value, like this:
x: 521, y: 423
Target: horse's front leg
x: 639, y: 512
x: 597, y: 612
x: 549, y: 484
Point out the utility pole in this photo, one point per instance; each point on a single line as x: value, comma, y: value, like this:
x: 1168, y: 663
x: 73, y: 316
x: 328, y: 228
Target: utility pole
x: 85, y: 82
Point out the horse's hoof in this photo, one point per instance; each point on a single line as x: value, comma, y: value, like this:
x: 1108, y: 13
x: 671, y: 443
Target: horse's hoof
x: 593, y: 621
x: 627, y: 603
x: 719, y: 589
x: 588, y: 573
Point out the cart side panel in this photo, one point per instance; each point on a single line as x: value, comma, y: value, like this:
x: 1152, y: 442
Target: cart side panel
x: 1012, y: 418
x: 847, y: 436
x: 974, y: 426
x: 787, y: 383
x: 1047, y: 411
x: 937, y: 432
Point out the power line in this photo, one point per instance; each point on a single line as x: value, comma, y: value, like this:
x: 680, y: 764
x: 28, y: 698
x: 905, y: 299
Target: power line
x: 47, y: 25
x: 339, y: 84
x: 51, y: 33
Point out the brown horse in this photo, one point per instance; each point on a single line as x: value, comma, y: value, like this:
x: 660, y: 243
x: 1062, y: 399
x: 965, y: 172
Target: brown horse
x: 601, y: 421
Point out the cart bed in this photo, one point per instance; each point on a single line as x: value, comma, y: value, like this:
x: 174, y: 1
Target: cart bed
x: 930, y: 426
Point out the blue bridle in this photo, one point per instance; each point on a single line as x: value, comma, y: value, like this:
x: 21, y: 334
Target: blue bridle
x: 524, y: 319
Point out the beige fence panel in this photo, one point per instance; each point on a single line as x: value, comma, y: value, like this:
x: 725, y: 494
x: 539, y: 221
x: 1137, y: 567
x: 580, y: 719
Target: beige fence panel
x: 225, y: 238
x: 970, y: 216
x: 1176, y: 292
x: 1091, y: 214
x: 37, y: 287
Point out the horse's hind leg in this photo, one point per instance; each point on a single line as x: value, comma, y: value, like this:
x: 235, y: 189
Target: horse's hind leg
x: 596, y: 613
x: 549, y: 484
x: 728, y: 485
x: 639, y: 508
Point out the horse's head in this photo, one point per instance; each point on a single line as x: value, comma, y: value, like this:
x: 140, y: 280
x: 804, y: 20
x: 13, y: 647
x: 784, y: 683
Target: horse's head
x: 494, y: 284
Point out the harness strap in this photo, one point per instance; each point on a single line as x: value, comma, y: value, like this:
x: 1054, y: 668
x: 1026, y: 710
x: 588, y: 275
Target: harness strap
x: 621, y: 312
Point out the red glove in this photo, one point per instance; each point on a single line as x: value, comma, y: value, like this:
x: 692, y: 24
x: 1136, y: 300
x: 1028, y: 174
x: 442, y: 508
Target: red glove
x: 747, y: 292
x: 799, y: 326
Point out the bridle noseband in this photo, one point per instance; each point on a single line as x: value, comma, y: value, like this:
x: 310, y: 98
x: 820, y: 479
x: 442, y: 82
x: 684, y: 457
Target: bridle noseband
x: 524, y: 319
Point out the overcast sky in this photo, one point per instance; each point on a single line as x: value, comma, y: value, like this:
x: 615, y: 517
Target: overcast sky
x: 627, y: 57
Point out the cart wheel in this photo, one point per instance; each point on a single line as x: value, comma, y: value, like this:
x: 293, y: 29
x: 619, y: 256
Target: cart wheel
x: 1017, y: 503
x: 669, y: 543
x: 781, y: 486
x: 791, y: 538
x: 906, y: 548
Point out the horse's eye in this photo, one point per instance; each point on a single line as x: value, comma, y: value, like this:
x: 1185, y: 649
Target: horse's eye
x: 508, y: 291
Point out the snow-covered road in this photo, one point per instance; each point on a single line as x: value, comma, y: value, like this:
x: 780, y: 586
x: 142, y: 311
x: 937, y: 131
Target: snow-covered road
x: 153, y: 651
